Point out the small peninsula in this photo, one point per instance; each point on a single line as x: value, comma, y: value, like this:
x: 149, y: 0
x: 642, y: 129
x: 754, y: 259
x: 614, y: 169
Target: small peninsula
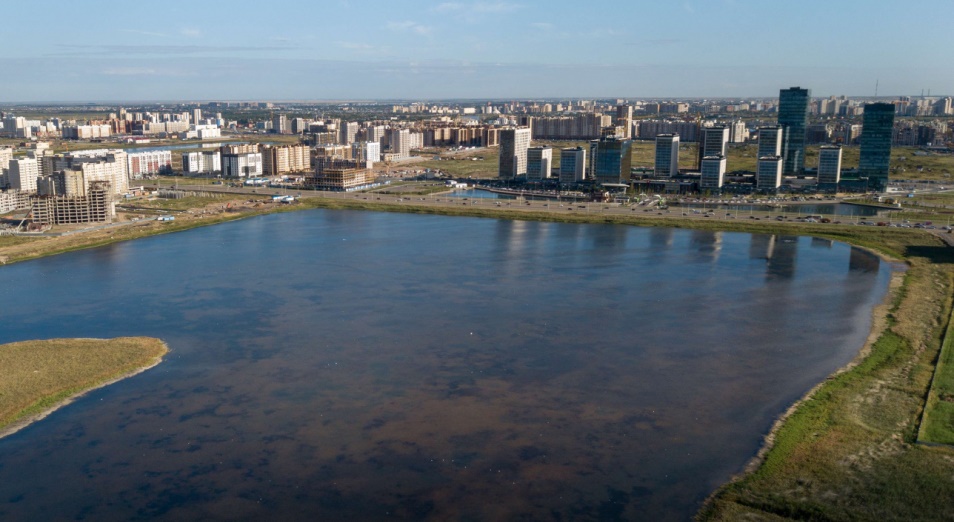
x: 41, y: 376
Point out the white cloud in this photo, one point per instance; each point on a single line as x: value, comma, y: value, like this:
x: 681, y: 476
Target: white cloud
x: 190, y: 32
x: 409, y: 26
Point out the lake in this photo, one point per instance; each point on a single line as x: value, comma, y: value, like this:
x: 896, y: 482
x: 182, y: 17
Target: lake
x: 346, y: 364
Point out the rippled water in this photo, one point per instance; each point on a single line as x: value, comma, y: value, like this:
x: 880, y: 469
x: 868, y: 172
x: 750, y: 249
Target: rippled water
x: 344, y: 364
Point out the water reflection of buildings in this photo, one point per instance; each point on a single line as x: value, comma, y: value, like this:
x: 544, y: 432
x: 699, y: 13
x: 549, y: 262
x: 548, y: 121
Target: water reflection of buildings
x: 707, y: 244
x: 863, y: 261
x: 660, y: 241
x: 818, y: 242
x: 779, y: 252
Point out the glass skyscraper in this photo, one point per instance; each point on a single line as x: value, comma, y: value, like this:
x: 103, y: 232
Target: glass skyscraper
x: 611, y: 163
x: 877, y: 124
x: 793, y: 118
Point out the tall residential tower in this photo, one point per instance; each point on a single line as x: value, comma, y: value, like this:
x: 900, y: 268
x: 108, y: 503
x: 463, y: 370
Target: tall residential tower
x: 793, y: 118
x: 513, y: 152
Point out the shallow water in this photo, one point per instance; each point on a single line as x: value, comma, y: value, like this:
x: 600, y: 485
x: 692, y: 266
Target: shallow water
x: 345, y: 364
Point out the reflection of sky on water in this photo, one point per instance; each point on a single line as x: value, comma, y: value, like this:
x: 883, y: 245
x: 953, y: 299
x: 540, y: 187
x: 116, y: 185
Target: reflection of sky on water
x: 335, y: 364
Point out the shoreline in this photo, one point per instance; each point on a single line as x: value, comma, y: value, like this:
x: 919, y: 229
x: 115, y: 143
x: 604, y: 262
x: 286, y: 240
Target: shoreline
x: 890, y: 245
x: 879, y: 322
x: 25, y: 421
x: 101, y: 237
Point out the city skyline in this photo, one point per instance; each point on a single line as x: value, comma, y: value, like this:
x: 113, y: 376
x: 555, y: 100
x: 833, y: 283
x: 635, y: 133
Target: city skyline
x: 291, y: 50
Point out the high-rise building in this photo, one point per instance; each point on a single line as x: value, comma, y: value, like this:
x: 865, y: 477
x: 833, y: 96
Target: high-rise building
x: 877, y: 123
x: 793, y: 118
x: 280, y: 124
x: 6, y: 154
x: 738, y: 133
x: 829, y: 164
x: 196, y: 116
x: 202, y: 162
x: 572, y: 165
x: 712, y: 141
x: 624, y: 119
x: 22, y: 174
x: 400, y: 140
x: 768, y: 176
x: 280, y: 160
x: 539, y: 160
x: 667, y: 155
x: 944, y: 107
x: 770, y: 141
x: 347, y: 131
x: 612, y: 160
x: 369, y: 151
x: 242, y: 165
x: 513, y: 152
x: 713, y: 173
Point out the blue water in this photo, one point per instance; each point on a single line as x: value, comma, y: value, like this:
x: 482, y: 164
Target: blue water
x: 478, y: 194
x: 345, y: 364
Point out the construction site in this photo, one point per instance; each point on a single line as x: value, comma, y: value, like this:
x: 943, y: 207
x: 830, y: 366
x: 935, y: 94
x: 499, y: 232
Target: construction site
x: 96, y: 206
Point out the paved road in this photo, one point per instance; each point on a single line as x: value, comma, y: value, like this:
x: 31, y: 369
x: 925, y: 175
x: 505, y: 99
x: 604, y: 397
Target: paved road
x: 557, y: 207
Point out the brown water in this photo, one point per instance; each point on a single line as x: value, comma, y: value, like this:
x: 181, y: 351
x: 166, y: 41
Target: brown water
x: 356, y: 365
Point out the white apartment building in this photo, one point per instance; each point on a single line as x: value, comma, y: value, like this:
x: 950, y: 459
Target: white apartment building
x: 513, y: 152
x: 22, y: 174
x: 202, y: 162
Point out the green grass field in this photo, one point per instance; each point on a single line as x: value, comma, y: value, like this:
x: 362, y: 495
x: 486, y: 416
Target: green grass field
x: 38, y: 375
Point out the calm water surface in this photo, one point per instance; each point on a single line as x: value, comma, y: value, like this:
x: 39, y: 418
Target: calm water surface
x: 343, y: 364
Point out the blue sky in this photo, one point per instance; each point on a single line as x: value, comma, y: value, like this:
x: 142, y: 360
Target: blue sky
x: 347, y: 49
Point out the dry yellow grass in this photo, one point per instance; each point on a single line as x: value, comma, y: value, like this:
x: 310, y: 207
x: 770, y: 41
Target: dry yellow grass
x: 40, y: 376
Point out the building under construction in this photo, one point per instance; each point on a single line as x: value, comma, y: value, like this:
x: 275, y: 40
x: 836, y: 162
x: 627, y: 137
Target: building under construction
x: 339, y: 175
x: 96, y: 206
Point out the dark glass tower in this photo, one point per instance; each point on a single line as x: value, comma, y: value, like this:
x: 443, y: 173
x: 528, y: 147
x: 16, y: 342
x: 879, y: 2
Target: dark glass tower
x: 876, y: 126
x: 793, y: 118
x: 612, y: 160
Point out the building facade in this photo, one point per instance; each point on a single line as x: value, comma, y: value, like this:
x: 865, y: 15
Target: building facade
x: 284, y: 159
x: 400, y: 140
x: 713, y: 173
x: 539, y: 161
x: 513, y: 152
x: 612, y: 160
x: 793, y: 118
x: 149, y: 163
x: 667, y: 155
x: 22, y: 174
x: 202, y: 162
x: 829, y: 165
x: 242, y: 165
x: 770, y: 141
x: 712, y: 141
x: 877, y: 124
x: 768, y: 176
x: 572, y: 165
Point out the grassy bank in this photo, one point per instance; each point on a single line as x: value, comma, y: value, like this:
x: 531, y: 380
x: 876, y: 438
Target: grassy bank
x: 851, y: 451
x: 40, y: 376
x: 937, y: 424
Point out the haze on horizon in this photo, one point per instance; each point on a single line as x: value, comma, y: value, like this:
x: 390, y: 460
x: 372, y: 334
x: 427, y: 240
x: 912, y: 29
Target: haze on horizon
x: 486, y: 49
